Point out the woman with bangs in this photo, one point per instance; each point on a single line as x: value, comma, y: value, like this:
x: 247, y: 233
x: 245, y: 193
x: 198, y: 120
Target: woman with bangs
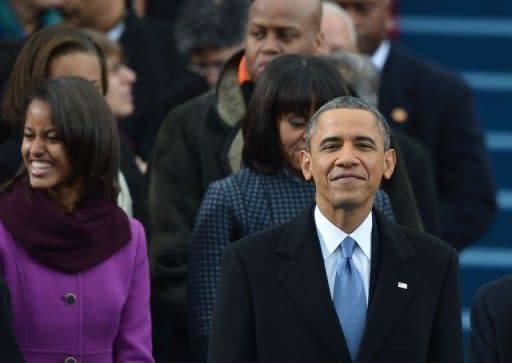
x: 75, y: 263
x: 270, y: 190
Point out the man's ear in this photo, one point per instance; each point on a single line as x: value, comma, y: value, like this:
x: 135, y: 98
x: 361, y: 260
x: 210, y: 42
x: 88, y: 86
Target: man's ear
x: 305, y: 163
x: 389, y: 163
x: 319, y: 42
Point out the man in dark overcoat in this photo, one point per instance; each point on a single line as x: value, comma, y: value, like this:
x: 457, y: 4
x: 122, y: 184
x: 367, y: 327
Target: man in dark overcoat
x: 339, y: 283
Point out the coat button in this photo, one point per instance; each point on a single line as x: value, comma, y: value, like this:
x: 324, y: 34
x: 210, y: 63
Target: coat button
x: 70, y: 360
x: 70, y: 299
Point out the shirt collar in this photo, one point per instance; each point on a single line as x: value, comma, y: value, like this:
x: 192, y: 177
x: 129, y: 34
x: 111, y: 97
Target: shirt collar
x: 380, y: 56
x: 330, y: 236
x: 115, y: 33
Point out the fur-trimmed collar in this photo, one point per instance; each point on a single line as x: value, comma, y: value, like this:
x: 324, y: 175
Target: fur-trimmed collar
x: 230, y: 100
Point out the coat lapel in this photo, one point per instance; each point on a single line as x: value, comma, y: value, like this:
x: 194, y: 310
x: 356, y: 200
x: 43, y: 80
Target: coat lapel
x: 305, y: 282
x: 396, y: 268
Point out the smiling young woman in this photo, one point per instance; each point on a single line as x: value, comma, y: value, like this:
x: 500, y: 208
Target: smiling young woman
x: 61, y: 228
x: 45, y: 157
x: 63, y: 50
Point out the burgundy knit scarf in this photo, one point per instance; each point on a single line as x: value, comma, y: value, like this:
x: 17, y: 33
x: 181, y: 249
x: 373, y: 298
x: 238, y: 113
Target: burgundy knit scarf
x: 68, y: 242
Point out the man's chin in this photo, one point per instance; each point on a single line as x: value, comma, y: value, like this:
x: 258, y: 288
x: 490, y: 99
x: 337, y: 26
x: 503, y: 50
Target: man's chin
x: 347, y: 205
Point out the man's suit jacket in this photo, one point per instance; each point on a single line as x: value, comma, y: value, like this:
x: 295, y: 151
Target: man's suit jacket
x: 274, y: 304
x: 242, y: 204
x: 436, y: 109
x: 491, y: 330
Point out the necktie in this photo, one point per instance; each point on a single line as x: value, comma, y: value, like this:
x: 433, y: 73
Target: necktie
x: 349, y: 298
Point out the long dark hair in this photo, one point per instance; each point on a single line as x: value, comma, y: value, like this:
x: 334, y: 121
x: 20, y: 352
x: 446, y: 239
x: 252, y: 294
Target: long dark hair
x: 88, y: 130
x: 34, y: 60
x: 292, y: 83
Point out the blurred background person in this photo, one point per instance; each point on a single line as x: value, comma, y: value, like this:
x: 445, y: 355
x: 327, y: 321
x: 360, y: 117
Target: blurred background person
x: 62, y: 230
x: 208, y: 33
x: 150, y: 51
x: 58, y: 50
x: 435, y: 108
x: 51, y: 49
x: 120, y: 77
x: 21, y: 18
x: 270, y: 190
x: 338, y: 29
x: 119, y: 96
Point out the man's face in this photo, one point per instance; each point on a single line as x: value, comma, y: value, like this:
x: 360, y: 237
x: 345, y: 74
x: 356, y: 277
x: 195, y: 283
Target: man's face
x: 371, y: 19
x: 281, y: 27
x: 337, y: 36
x: 208, y: 62
x: 347, y: 160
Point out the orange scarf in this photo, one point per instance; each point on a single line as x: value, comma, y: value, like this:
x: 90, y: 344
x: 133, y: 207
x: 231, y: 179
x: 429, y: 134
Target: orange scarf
x: 243, y: 74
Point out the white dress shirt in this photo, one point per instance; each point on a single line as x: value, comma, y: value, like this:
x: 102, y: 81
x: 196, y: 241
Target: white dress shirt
x: 115, y: 33
x: 330, y: 238
x: 380, y: 56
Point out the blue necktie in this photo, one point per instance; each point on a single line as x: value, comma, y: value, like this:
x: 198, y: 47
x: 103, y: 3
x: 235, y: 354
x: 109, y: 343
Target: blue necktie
x: 350, y: 298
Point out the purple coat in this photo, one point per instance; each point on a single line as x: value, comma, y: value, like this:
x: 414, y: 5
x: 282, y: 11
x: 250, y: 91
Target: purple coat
x: 100, y: 315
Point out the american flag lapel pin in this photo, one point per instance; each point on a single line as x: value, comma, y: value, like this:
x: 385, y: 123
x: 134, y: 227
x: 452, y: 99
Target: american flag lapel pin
x: 402, y: 285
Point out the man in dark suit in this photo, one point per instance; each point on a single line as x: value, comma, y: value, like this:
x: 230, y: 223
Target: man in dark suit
x: 339, y: 283
x: 491, y: 331
x: 436, y: 108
